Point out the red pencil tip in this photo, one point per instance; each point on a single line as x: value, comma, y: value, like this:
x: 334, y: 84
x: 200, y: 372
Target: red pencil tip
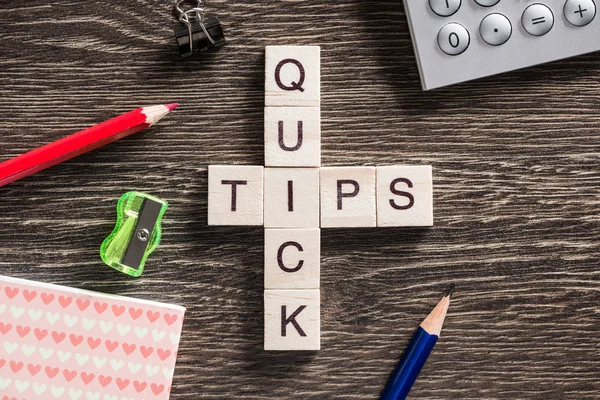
x: 171, y: 106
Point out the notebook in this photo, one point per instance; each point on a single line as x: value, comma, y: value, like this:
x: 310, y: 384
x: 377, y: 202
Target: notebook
x: 62, y: 343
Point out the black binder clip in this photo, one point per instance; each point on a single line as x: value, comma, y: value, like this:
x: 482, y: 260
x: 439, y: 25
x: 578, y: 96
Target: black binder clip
x: 197, y: 31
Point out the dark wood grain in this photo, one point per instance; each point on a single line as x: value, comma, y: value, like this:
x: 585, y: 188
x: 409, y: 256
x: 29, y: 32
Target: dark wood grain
x: 517, y: 197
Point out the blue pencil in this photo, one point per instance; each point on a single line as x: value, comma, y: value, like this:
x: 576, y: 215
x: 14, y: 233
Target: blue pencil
x: 417, y: 352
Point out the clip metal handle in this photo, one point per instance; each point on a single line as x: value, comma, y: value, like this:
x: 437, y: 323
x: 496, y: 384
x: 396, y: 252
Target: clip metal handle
x: 190, y: 17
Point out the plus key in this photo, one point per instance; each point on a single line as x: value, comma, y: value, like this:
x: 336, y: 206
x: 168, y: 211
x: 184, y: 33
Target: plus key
x: 580, y: 12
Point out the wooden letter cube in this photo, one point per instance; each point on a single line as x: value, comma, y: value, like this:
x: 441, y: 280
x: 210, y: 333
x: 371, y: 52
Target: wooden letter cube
x: 292, y: 136
x: 292, y: 258
x: 348, y: 197
x: 293, y: 76
x: 291, y: 198
x: 292, y: 320
x: 404, y: 196
x: 235, y: 195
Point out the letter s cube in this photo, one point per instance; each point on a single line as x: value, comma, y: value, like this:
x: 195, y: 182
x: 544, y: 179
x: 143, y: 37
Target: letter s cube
x: 404, y: 196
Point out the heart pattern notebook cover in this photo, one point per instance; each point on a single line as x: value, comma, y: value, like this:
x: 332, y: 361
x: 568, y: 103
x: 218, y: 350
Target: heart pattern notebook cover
x: 62, y: 343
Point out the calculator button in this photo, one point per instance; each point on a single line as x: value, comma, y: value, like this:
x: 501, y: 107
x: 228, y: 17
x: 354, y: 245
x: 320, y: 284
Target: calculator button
x: 537, y: 19
x: 445, y: 8
x: 487, y: 3
x: 495, y: 29
x: 453, y: 39
x: 580, y: 12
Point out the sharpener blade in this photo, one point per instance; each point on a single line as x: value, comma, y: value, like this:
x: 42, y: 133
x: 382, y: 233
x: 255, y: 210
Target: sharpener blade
x: 140, y: 238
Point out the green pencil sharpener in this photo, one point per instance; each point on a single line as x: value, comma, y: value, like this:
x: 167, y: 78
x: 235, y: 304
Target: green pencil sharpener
x: 136, y: 234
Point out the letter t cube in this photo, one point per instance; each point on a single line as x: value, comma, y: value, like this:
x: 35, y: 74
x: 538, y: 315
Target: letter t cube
x: 235, y: 195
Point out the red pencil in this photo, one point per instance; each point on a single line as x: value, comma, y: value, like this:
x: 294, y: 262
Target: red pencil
x: 81, y: 142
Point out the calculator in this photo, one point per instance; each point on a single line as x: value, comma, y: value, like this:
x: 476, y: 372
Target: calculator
x: 461, y: 40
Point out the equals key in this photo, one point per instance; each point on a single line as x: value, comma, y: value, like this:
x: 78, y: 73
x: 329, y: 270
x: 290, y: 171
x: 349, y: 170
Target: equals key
x: 537, y: 19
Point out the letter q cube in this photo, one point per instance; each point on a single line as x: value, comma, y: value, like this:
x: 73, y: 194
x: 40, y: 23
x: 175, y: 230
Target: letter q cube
x: 292, y: 76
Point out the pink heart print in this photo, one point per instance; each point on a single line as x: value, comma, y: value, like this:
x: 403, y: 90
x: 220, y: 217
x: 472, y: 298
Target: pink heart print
x: 51, y: 372
x: 75, y: 340
x: 40, y: 334
x: 69, y: 375
x: 100, y: 307
x: 11, y: 292
x: 34, y: 369
x: 5, y: 328
x: 47, y: 298
x: 82, y: 304
x: 58, y: 336
x: 65, y: 301
x: 118, y: 310
x: 135, y: 312
x: 16, y: 366
x: 29, y: 295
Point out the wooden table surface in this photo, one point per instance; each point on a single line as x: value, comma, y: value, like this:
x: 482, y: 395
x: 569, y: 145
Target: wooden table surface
x: 517, y: 197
